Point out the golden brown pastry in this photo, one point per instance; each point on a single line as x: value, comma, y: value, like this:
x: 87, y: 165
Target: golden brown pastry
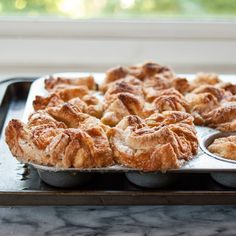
x: 18, y: 138
x: 170, y: 103
x: 223, y: 117
x: 54, y: 83
x: 224, y: 147
x: 153, y: 85
x: 89, y: 104
x: 40, y: 102
x: 211, y: 102
x: 128, y: 85
x: 205, y: 79
x: 73, y: 92
x: 181, y: 84
x: 150, y: 69
x: 141, y: 72
x: 227, y: 87
x: 49, y: 142
x: 217, y: 92
x: 150, y: 148
x: 125, y: 104
x: 115, y: 73
x: 41, y: 117
x: 123, y: 97
x: 73, y: 117
x: 201, y: 104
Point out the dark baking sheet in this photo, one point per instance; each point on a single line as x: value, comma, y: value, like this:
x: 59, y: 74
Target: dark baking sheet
x: 21, y: 185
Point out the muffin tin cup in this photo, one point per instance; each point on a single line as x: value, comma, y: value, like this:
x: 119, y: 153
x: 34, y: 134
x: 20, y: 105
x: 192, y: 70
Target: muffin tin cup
x: 208, y: 140
x: 226, y: 178
x: 62, y: 178
x: 72, y: 177
x: 152, y: 180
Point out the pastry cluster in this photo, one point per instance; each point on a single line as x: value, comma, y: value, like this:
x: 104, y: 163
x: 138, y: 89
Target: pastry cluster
x: 224, y: 147
x: 140, y: 117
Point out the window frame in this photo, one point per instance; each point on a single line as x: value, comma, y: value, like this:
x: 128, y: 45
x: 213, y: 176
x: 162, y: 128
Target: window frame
x: 108, y: 28
x: 38, y: 46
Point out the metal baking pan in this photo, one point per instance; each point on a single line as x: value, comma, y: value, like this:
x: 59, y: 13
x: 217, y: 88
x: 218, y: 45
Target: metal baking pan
x: 203, y: 162
x: 20, y: 184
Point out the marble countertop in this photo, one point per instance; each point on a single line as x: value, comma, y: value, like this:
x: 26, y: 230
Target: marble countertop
x: 118, y: 220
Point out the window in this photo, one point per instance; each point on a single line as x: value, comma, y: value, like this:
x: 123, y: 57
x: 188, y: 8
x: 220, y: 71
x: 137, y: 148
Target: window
x: 122, y: 9
x: 46, y: 36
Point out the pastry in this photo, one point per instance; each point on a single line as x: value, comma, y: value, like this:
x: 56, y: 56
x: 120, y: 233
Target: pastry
x: 224, y: 147
x: 223, y: 117
x: 166, y: 144
x: 141, y: 72
x: 212, y: 102
x: 80, y: 142
x: 205, y: 79
x: 54, y: 83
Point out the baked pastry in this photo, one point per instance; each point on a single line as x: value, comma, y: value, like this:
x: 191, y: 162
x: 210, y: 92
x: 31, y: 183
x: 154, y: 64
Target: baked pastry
x: 227, y: 87
x: 123, y: 86
x: 205, y: 79
x: 153, y: 85
x: 123, y: 97
x: 181, y: 84
x: 170, y: 100
x: 167, y: 143
x: 89, y: 103
x: 48, y: 141
x: 54, y: 83
x: 141, y: 72
x: 218, y: 93
x: 212, y: 102
x: 126, y: 104
x: 150, y: 69
x: 224, y: 147
x: 201, y: 104
x: 223, y: 117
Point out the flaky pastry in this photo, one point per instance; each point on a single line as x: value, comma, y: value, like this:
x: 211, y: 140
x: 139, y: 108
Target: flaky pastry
x: 164, y: 146
x: 141, y: 72
x: 57, y: 83
x: 45, y: 140
x: 224, y: 147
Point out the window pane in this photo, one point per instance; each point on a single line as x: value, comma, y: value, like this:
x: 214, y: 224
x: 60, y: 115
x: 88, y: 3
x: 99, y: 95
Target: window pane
x: 122, y: 9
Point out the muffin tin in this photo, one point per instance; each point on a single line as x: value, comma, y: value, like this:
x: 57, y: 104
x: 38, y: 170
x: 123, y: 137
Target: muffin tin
x: 20, y: 183
x: 221, y: 170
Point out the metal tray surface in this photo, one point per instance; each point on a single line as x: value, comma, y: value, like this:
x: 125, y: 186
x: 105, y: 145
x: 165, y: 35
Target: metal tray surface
x: 201, y: 163
x: 20, y: 184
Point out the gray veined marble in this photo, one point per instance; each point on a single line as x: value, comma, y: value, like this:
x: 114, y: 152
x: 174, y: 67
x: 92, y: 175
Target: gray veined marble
x: 125, y: 220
